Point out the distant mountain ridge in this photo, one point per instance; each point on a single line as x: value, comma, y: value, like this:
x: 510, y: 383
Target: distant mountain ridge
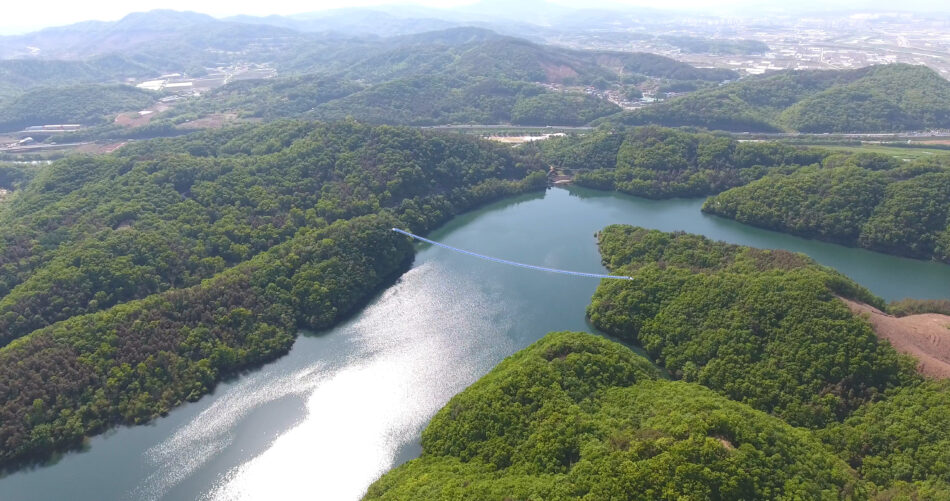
x: 471, y: 51
x: 460, y: 75
x: 896, y: 97
x: 462, y: 61
x: 138, y: 30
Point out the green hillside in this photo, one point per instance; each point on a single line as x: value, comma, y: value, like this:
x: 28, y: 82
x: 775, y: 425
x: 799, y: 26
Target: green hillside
x: 574, y: 416
x: 455, y: 76
x: 459, y: 75
x: 268, y: 99
x: 761, y: 327
x: 658, y: 162
x: 19, y: 75
x: 895, y: 97
x: 868, y: 200
x: 901, y: 443
x: 473, y: 52
x: 140, y: 45
x: 81, y: 104
x: 131, y: 283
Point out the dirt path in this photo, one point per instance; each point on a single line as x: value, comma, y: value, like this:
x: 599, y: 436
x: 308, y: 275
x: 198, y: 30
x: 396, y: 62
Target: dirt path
x: 926, y: 336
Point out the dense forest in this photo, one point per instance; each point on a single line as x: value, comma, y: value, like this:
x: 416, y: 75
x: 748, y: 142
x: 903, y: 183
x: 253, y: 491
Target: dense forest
x: 895, y: 97
x: 901, y: 443
x: 657, y: 162
x: 132, y: 282
x: 756, y: 340
x: 575, y: 416
x: 141, y: 46
x: 760, y: 327
x: 466, y: 75
x: 872, y: 201
x: 19, y: 75
x: 14, y: 176
x: 455, y: 76
x: 474, y: 52
x: 80, y: 104
x: 268, y: 99
x: 427, y: 100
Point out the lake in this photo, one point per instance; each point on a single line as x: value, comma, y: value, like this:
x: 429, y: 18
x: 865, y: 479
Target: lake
x: 346, y: 405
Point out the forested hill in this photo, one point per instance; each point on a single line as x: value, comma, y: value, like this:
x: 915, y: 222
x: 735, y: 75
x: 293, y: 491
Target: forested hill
x: 141, y: 33
x: 658, y: 162
x: 758, y: 342
x: 457, y: 75
x: 19, y: 75
x: 870, y: 201
x: 141, y: 45
x: 78, y: 104
x: 575, y: 416
x: 132, y: 282
x: 761, y: 327
x: 469, y: 52
x: 460, y: 75
x: 896, y: 97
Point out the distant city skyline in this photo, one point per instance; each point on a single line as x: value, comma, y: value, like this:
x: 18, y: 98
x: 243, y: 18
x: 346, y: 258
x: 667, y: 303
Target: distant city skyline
x: 23, y: 17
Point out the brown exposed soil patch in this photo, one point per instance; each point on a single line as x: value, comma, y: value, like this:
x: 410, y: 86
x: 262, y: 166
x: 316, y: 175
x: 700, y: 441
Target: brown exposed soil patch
x: 132, y: 119
x: 523, y: 139
x: 558, y: 72
x: 100, y: 148
x: 215, y: 121
x: 137, y: 119
x: 926, y: 337
x: 725, y: 443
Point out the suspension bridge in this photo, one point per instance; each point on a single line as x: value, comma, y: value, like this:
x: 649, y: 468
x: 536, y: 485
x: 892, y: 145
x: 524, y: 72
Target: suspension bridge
x: 510, y: 263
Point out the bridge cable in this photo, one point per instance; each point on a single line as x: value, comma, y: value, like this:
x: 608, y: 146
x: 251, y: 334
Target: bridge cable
x: 505, y: 261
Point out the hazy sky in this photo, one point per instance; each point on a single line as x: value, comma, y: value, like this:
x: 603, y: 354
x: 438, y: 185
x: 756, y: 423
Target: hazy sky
x: 19, y: 16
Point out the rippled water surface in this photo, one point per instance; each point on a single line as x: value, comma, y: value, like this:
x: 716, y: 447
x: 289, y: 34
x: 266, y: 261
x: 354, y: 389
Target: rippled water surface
x: 346, y: 405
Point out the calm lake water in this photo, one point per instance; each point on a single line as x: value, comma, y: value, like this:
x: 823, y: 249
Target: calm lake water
x: 346, y: 405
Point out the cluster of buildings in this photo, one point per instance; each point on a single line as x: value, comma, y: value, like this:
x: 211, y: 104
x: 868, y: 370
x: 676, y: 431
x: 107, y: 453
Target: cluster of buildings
x: 833, y: 42
x: 52, y: 128
x: 179, y: 84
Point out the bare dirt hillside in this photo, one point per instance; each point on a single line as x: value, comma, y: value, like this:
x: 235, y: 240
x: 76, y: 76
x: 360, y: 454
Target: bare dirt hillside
x: 926, y: 336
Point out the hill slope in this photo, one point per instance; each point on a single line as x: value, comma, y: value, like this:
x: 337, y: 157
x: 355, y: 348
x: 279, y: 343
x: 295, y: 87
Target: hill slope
x: 761, y: 327
x: 19, y: 75
x: 901, y: 443
x: 574, y: 416
x: 459, y: 75
x: 131, y: 283
x: 658, y: 162
x: 896, y: 97
x: 136, y: 32
x: 81, y: 104
x: 889, y: 207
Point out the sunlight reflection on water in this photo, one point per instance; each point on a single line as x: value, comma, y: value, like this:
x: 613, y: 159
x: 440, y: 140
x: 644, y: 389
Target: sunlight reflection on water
x: 409, y: 366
